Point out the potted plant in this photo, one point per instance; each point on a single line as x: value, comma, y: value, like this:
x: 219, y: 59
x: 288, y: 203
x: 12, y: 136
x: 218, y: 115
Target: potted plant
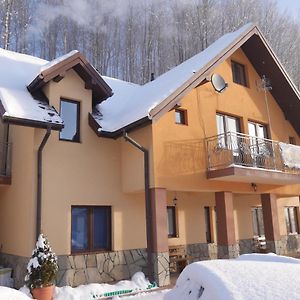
x: 41, y: 270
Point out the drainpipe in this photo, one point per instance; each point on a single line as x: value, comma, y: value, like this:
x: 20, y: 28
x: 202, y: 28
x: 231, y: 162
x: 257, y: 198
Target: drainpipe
x: 39, y: 183
x: 147, y: 203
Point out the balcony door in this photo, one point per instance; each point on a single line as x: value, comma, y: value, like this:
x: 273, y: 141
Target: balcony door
x: 261, y: 149
x: 225, y: 126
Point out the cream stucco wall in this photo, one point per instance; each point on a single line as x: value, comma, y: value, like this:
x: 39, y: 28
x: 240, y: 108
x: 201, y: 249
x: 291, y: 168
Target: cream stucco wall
x: 17, y: 202
x: 180, y: 159
x: 90, y: 173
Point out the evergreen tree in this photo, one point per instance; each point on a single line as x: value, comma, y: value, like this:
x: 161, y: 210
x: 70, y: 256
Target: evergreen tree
x: 42, y: 267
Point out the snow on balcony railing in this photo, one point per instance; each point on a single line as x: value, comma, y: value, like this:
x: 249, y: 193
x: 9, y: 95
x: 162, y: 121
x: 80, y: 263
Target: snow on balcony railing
x: 233, y: 148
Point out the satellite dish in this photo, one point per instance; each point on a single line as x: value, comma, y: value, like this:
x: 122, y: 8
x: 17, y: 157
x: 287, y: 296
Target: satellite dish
x: 218, y: 83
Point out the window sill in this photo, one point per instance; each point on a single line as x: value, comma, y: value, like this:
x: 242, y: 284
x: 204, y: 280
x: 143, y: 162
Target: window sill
x: 90, y: 252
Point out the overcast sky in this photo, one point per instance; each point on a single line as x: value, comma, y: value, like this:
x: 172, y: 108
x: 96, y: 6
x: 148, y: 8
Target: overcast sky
x: 293, y: 6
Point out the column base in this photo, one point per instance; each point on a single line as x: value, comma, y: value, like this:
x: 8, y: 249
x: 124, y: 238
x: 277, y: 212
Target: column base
x: 230, y: 251
x: 276, y: 247
x: 161, y: 268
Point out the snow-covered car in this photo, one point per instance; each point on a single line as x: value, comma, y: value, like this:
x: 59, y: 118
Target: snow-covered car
x: 250, y: 277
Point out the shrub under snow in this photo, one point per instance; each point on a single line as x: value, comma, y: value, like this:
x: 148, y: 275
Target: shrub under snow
x: 42, y: 267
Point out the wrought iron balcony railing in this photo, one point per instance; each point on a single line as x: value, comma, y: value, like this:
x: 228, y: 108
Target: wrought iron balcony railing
x: 233, y: 148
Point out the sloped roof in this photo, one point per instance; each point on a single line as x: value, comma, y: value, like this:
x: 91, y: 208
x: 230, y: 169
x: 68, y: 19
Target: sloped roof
x: 17, y: 104
x: 22, y: 77
x: 132, y: 104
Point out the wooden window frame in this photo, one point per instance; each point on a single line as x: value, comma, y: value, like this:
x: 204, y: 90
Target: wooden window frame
x: 77, y: 140
x: 174, y: 235
x: 208, y: 225
x: 90, y: 234
x: 183, y: 116
x: 292, y: 140
x: 241, y: 81
x: 288, y: 224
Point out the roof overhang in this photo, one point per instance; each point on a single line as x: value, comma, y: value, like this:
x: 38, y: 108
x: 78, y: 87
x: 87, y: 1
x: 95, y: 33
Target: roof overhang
x: 265, y: 62
x: 83, y: 68
x: 118, y: 133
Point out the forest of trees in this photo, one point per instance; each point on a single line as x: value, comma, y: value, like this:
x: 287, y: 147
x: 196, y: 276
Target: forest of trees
x: 130, y: 39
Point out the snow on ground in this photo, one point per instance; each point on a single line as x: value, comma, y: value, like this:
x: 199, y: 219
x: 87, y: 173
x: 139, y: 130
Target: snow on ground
x: 12, y: 294
x: 251, y: 277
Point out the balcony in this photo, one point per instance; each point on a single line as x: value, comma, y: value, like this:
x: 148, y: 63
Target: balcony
x: 242, y: 158
x: 5, y: 163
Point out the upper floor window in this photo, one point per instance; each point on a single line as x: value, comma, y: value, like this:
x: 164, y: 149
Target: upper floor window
x: 258, y: 130
x: 291, y: 219
x: 238, y: 73
x: 91, y: 228
x: 181, y: 116
x: 70, y: 113
x: 227, y: 123
x: 292, y: 140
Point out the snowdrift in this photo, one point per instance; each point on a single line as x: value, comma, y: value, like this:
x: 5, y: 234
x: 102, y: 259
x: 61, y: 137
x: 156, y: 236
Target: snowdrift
x: 250, y: 277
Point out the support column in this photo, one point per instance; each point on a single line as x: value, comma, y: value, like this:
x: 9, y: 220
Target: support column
x: 271, y: 222
x: 159, y: 233
x: 227, y: 244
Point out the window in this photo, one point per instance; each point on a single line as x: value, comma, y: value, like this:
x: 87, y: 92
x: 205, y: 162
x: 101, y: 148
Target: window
x: 291, y: 218
x: 226, y: 124
x: 181, y: 116
x: 258, y: 222
x: 261, y: 149
x: 91, y: 228
x: 70, y: 113
x: 238, y: 73
x: 292, y: 140
x: 171, y: 221
x: 207, y: 218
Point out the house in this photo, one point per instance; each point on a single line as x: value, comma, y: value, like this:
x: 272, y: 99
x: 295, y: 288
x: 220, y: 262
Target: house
x: 116, y: 174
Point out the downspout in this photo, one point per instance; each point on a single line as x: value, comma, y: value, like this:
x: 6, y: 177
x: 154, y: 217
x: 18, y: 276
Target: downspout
x: 147, y: 203
x: 39, y: 182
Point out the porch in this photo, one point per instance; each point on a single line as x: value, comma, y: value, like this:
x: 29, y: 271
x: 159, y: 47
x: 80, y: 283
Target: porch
x: 211, y: 225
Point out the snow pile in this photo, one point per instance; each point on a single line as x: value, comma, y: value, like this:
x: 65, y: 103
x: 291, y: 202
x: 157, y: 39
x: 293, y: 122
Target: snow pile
x: 250, y: 277
x: 97, y: 291
x: 270, y: 257
x: 12, y: 294
x: 290, y: 155
x: 129, y: 104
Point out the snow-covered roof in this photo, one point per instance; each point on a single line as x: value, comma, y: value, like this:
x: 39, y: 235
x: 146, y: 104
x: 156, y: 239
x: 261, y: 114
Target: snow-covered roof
x: 16, y: 72
x: 131, y: 103
x: 22, y: 78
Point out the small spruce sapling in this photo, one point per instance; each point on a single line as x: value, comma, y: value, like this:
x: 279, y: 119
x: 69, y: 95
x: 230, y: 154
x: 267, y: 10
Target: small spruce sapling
x: 42, y: 267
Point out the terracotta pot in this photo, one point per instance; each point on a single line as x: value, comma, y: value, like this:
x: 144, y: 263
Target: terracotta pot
x: 44, y: 293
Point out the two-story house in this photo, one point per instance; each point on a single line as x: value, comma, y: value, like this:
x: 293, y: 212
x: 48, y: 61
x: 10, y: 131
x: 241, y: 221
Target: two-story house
x: 115, y: 173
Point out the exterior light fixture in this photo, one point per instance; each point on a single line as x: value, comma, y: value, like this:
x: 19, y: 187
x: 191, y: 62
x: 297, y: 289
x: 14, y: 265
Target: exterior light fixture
x: 254, y: 186
x: 175, y: 201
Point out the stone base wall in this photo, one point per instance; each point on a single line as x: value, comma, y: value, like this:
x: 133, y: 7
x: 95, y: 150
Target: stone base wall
x: 102, y: 267
x: 161, y: 268
x: 247, y: 246
x: 19, y: 266
x: 287, y: 245
x: 231, y: 251
x: 202, y: 251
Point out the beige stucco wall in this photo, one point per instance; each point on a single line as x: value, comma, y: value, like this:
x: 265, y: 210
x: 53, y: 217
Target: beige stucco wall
x: 101, y: 171
x: 190, y: 216
x: 90, y: 173
x: 180, y: 159
x: 17, y: 202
